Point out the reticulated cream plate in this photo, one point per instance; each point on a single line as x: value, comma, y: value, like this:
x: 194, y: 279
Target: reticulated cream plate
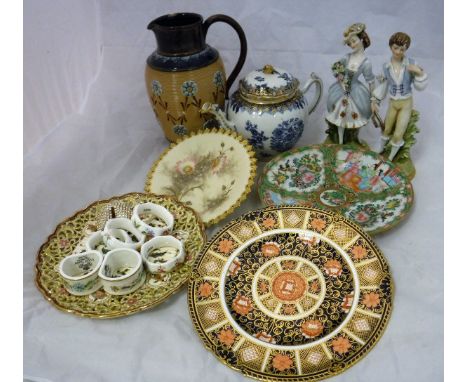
x: 69, y: 237
x: 361, y: 185
x: 290, y: 293
x: 212, y: 171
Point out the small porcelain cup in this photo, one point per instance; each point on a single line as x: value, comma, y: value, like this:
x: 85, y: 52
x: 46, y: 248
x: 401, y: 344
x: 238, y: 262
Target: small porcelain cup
x: 122, y: 271
x: 157, y: 210
x: 95, y: 242
x: 158, y: 242
x: 111, y: 234
x: 80, y: 272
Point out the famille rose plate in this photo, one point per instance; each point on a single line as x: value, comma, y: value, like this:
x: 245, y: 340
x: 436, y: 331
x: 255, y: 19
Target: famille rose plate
x: 212, y: 171
x: 290, y: 293
x: 358, y: 184
x: 69, y: 238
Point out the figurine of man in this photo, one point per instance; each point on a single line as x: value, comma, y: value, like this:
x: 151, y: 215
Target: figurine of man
x: 399, y: 75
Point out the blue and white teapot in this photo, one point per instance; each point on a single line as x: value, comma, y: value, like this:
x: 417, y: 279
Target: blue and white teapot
x: 269, y: 109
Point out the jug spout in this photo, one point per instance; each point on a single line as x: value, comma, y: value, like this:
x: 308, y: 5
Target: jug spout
x: 178, y: 34
x: 214, y: 110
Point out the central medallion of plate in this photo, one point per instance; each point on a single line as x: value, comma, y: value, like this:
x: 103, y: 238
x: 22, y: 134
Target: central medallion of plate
x: 288, y: 288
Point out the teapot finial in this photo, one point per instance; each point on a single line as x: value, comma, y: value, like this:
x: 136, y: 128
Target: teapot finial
x: 268, y: 69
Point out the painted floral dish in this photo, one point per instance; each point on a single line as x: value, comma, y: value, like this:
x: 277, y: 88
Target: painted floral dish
x: 211, y: 171
x: 71, y: 235
x: 359, y: 184
x: 290, y: 293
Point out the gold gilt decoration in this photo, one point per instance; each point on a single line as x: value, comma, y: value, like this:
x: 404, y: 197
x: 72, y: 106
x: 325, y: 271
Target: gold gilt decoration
x: 69, y: 235
x: 270, y: 92
x: 304, y: 298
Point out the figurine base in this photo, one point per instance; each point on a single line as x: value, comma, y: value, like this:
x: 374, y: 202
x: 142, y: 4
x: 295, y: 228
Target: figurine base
x: 403, y: 158
x: 350, y: 137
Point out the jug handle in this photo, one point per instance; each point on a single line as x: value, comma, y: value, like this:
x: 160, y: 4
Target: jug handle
x: 243, y: 45
x: 314, y: 79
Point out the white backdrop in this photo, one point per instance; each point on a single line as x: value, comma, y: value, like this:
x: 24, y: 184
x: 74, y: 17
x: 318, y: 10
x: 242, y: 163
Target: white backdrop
x: 90, y: 133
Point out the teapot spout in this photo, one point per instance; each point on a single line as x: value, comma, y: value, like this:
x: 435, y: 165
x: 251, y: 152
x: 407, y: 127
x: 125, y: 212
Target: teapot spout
x: 214, y: 110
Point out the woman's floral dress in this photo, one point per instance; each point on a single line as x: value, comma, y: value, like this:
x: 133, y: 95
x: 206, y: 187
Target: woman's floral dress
x: 348, y: 102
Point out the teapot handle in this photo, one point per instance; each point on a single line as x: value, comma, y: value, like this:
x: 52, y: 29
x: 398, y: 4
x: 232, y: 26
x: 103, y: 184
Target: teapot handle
x: 243, y: 45
x: 314, y: 79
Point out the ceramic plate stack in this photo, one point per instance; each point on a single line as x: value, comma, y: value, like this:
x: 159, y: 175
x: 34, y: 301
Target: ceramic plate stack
x: 290, y: 293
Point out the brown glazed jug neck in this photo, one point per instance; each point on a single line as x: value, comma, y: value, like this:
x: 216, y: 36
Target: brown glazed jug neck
x: 178, y: 34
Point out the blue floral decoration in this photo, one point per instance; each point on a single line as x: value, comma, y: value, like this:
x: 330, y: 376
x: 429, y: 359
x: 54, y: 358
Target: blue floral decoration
x: 236, y: 103
x: 218, y: 79
x: 285, y: 76
x: 156, y: 87
x: 261, y: 86
x: 180, y: 130
x: 258, y: 137
x: 189, y: 88
x: 286, y: 134
x: 297, y: 104
x: 260, y: 78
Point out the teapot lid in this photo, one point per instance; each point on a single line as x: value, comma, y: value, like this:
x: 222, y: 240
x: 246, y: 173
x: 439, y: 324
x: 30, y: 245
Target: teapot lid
x: 268, y: 85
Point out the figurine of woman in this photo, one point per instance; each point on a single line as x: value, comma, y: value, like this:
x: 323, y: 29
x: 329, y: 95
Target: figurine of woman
x: 349, y: 100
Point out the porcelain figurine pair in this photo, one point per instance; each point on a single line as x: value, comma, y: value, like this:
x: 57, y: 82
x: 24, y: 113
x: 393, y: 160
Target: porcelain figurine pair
x: 351, y: 103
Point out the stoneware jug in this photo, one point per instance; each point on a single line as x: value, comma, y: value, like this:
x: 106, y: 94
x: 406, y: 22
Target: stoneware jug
x: 185, y: 72
x: 269, y: 109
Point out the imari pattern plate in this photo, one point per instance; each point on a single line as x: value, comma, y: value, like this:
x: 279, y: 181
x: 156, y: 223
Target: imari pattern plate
x: 361, y: 185
x: 69, y: 238
x: 290, y: 293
